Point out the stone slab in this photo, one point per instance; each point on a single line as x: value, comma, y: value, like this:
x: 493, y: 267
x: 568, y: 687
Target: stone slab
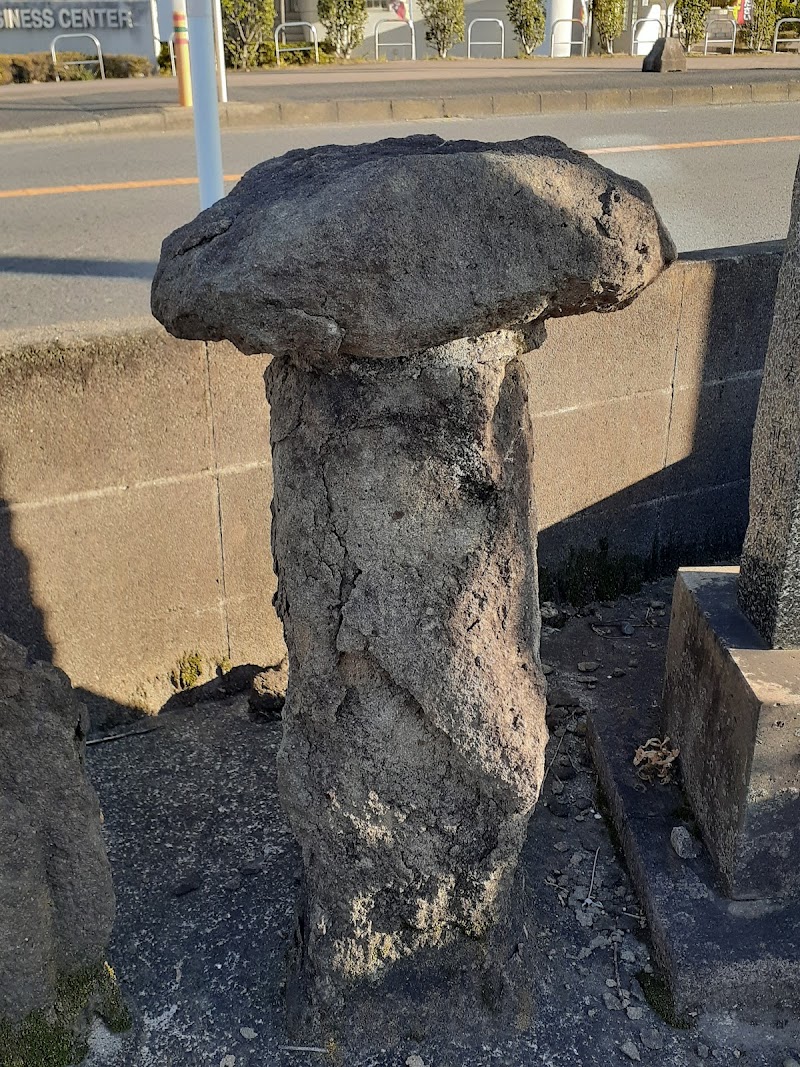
x: 716, y: 954
x: 732, y: 705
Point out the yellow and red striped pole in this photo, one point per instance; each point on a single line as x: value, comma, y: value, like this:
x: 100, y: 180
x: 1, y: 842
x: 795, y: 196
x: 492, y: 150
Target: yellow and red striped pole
x: 180, y: 29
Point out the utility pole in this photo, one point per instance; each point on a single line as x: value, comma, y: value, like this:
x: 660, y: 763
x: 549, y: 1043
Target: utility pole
x: 219, y: 37
x: 208, y: 147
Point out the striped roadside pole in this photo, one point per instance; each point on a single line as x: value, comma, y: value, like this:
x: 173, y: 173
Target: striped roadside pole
x: 180, y: 29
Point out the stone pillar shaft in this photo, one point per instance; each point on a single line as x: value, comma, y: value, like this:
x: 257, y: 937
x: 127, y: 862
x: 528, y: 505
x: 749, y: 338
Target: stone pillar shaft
x: 404, y: 538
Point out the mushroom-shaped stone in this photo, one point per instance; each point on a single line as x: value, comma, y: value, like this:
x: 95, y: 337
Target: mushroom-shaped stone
x: 386, y: 249
x: 399, y: 286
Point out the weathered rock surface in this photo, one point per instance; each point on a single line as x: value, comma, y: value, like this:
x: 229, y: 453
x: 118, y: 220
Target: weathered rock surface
x: 404, y: 536
x: 56, y: 898
x: 769, y: 581
x: 665, y: 57
x: 387, y: 249
x: 398, y: 285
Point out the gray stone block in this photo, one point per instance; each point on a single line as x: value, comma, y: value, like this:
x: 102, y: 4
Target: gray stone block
x: 666, y: 56
x: 732, y: 705
x: 716, y: 953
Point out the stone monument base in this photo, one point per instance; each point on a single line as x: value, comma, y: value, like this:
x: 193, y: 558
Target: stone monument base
x: 730, y: 704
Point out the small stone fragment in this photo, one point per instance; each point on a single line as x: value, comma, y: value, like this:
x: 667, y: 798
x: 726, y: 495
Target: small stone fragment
x: 415, y: 1061
x: 547, y: 669
x: 186, y: 885
x: 558, y: 808
x: 588, y: 665
x: 612, y: 1001
x: 268, y: 690
x: 251, y: 867
x: 683, y: 844
x: 790, y: 1062
x: 703, y: 1051
x: 631, y: 1051
x: 633, y: 1012
x: 248, y: 1033
x: 227, y: 1061
x: 652, y: 1039
x: 618, y: 672
x: 628, y: 629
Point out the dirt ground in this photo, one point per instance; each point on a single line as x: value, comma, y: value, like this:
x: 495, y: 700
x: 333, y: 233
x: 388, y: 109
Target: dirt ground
x: 206, y: 873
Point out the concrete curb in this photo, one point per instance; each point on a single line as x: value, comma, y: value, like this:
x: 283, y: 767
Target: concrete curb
x: 237, y: 115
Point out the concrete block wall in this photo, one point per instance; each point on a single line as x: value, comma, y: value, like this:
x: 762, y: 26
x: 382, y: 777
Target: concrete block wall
x: 135, y: 476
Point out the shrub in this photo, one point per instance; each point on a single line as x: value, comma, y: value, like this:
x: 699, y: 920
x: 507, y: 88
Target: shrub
x: 528, y: 19
x: 609, y: 21
x: 693, y: 16
x: 247, y: 27
x: 38, y: 67
x: 128, y: 66
x: 344, y: 22
x: 758, y: 32
x: 445, y: 20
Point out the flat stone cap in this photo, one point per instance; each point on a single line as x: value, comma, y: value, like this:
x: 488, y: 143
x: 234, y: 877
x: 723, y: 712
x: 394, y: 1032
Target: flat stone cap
x: 381, y: 250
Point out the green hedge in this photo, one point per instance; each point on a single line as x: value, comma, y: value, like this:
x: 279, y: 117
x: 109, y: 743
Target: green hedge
x: 38, y: 67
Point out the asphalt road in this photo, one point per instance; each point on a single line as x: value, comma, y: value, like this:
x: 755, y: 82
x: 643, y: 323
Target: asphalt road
x: 89, y: 255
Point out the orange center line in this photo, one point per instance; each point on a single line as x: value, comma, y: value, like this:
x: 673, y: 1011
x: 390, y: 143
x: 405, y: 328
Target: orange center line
x: 692, y: 144
x: 104, y: 187
x: 160, y: 183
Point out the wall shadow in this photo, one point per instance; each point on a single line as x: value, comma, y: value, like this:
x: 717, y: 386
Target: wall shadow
x: 95, y: 268
x: 695, y: 509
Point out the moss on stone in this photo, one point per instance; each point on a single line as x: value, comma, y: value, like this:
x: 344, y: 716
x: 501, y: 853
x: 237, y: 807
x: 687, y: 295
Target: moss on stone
x: 57, y: 1038
x: 187, y: 671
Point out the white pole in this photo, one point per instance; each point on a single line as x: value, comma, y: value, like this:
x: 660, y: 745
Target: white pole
x: 208, y: 147
x: 222, y: 77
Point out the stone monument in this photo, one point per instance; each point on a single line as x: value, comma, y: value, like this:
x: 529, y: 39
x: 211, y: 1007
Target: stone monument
x: 726, y: 923
x: 398, y: 286
x: 56, y: 898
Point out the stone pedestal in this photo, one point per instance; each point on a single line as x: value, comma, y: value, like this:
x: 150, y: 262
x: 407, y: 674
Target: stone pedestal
x: 732, y: 705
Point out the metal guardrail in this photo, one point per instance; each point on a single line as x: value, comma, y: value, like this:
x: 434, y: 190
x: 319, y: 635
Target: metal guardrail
x: 412, y: 44
x: 581, y: 42
x: 776, y: 40
x: 501, y: 43
x: 720, y: 40
x: 78, y: 62
x: 640, y: 22
x: 281, y: 29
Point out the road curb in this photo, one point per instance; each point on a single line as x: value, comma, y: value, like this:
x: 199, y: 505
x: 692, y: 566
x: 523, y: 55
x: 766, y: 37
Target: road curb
x: 237, y: 115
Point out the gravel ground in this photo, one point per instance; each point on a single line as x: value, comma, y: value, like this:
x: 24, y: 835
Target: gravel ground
x: 206, y: 873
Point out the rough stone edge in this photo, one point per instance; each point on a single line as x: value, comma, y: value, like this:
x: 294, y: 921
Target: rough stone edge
x: 697, y: 942
x: 274, y: 114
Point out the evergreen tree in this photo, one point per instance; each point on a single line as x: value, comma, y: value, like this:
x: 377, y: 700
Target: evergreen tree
x: 528, y: 19
x: 344, y: 22
x: 445, y: 20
